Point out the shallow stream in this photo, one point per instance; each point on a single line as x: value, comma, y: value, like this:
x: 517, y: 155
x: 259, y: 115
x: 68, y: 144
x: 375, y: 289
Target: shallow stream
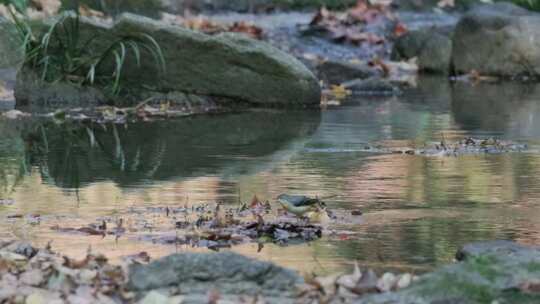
x: 417, y: 209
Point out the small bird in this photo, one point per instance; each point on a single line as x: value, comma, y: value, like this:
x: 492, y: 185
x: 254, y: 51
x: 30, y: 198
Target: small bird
x: 298, y: 205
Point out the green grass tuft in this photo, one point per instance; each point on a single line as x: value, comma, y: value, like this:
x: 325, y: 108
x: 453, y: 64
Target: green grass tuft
x: 60, y: 53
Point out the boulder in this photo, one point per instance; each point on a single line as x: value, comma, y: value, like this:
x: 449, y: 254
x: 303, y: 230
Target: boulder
x: 432, y: 47
x: 499, y: 39
x: 338, y: 72
x: 229, y: 66
x: 227, y: 273
x: 11, y: 51
x: 31, y: 91
x: 490, y: 272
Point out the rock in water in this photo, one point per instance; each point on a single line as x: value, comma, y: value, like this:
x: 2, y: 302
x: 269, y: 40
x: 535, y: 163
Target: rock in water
x: 229, y: 66
x: 432, y: 47
x: 499, y: 39
x: 338, y: 72
x: 228, y: 273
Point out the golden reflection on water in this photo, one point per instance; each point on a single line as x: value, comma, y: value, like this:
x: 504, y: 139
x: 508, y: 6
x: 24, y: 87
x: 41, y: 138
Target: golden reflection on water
x: 417, y: 210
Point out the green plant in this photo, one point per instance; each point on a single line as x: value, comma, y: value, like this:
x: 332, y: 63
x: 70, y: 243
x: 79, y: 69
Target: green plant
x: 61, y: 53
x: 19, y: 5
x: 529, y: 4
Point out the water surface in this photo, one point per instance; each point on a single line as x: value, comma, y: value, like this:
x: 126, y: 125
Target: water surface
x: 417, y: 210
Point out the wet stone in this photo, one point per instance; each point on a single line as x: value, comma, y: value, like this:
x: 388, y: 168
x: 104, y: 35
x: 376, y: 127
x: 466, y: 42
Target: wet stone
x: 337, y: 72
x: 373, y: 86
x: 228, y: 273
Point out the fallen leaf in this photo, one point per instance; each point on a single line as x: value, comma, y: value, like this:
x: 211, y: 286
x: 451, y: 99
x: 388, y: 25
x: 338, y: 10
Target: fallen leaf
x: 339, y: 91
x: 400, y: 29
x: 530, y: 287
x: 387, y: 282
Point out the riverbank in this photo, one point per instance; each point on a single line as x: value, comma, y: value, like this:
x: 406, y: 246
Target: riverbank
x: 498, y: 271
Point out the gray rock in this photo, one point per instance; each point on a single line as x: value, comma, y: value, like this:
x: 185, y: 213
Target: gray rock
x: 227, y: 65
x: 337, y: 72
x: 432, y: 47
x: 490, y: 272
x: 11, y: 51
x: 19, y: 247
x: 30, y: 90
x: 509, y: 249
x: 228, y: 273
x: 499, y: 39
x: 374, y: 86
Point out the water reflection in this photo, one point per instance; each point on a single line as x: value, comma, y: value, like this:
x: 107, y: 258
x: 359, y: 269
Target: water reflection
x: 73, y: 155
x: 418, y: 210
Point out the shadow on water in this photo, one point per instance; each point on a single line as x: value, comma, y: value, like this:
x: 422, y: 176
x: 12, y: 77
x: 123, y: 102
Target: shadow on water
x: 72, y: 155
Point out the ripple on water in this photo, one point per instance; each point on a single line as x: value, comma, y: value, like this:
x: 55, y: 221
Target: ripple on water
x: 417, y: 210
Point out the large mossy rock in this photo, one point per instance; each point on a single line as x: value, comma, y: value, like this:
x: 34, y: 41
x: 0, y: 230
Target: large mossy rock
x: 499, y: 39
x: 488, y: 272
x: 32, y: 92
x: 226, y: 65
x: 227, y: 273
x: 11, y: 51
x: 229, y: 66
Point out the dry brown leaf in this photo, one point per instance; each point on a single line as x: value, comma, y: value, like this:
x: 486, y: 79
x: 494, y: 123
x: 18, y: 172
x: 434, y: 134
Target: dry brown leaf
x: 530, y: 287
x: 204, y: 24
x: 400, y: 29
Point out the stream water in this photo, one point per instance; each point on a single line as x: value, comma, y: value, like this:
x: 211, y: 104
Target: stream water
x: 417, y: 210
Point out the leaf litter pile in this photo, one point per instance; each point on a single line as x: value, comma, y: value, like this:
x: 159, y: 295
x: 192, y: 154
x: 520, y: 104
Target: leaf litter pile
x: 31, y: 275
x: 466, y: 146
x: 204, y: 24
x: 147, y: 110
x: 215, y: 225
x: 346, y: 288
x: 356, y: 25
